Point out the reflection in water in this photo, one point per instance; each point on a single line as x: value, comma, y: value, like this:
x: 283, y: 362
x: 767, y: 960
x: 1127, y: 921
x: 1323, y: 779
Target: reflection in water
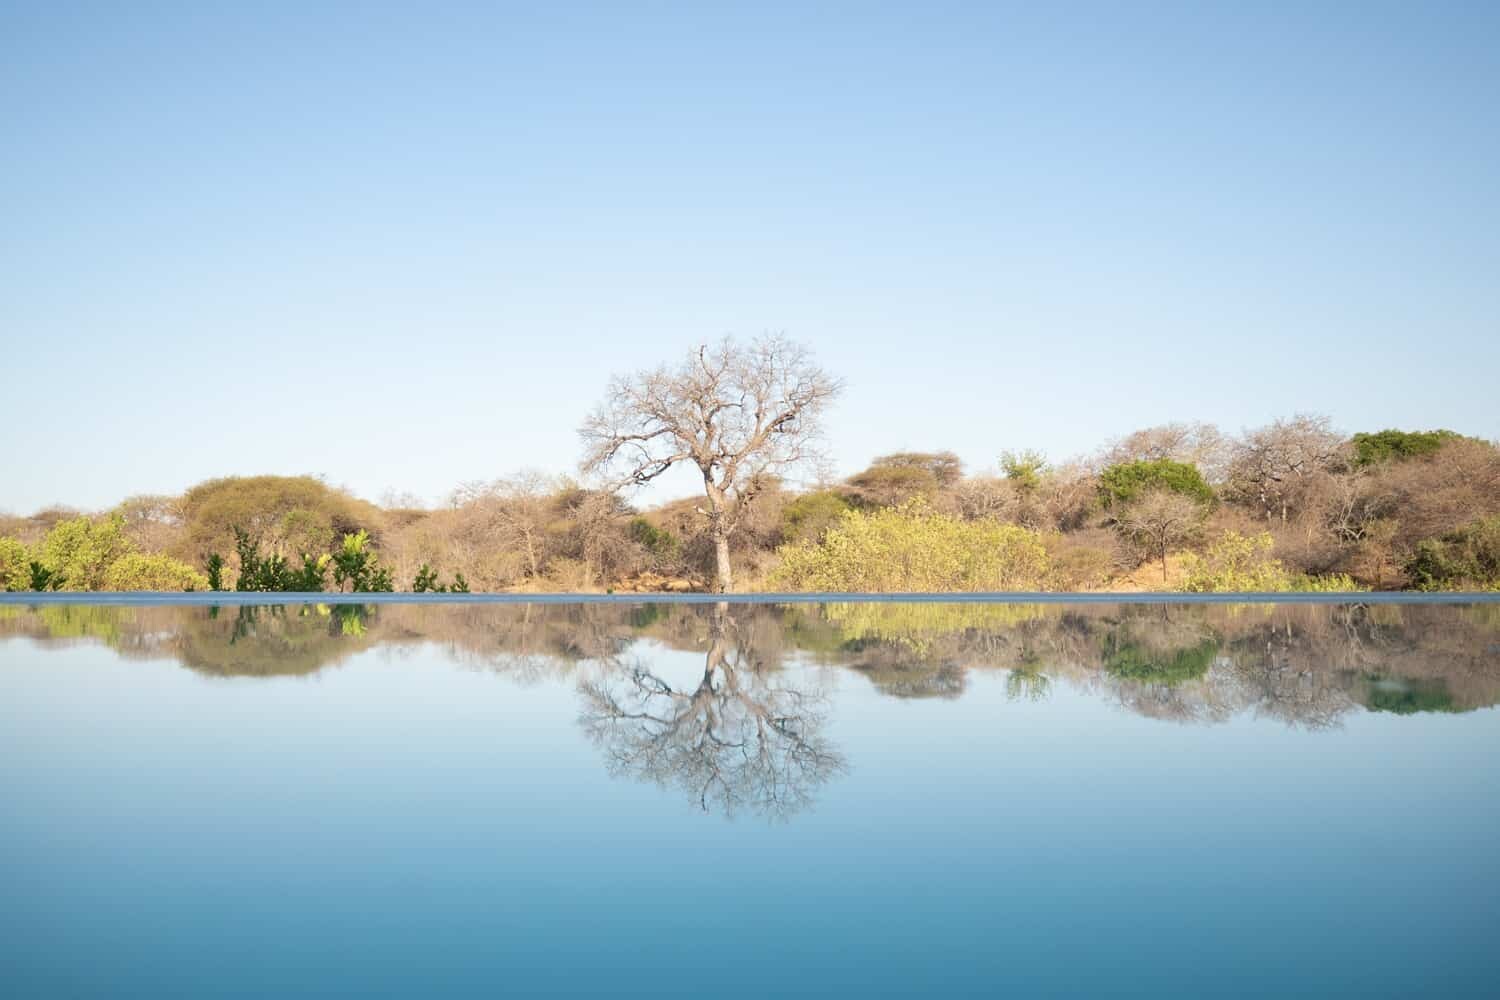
x: 744, y: 734
x: 737, y: 737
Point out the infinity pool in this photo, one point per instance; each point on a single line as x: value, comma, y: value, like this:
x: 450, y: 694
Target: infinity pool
x: 736, y: 800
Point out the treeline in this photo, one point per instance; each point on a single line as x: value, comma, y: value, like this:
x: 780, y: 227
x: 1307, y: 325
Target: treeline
x: 1292, y: 505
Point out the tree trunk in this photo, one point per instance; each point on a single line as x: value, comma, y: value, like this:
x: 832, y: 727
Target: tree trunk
x: 725, y: 582
x: 717, y: 527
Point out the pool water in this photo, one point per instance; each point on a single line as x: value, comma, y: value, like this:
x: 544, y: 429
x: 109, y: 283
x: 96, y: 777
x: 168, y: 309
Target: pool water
x: 735, y: 800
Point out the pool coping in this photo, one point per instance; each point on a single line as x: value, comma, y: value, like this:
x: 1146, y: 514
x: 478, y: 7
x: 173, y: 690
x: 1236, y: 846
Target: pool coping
x: 235, y: 598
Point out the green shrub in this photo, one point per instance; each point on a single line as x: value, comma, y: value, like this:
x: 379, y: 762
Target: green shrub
x: 356, y: 564
x: 215, y: 566
x: 1393, y: 445
x: 660, y: 542
x: 806, y: 518
x: 140, y: 571
x: 1127, y: 481
x: 312, y: 578
x: 427, y: 581
x: 911, y: 548
x: 1468, y: 558
x: 1024, y: 469
x: 42, y: 578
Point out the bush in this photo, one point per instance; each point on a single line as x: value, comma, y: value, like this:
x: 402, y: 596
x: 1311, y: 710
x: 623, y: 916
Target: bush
x: 1127, y: 481
x: 272, y: 573
x: 139, y: 571
x: 312, y: 577
x: 215, y: 566
x: 81, y: 550
x: 356, y: 564
x: 663, y: 546
x: 426, y: 581
x: 1393, y: 445
x: 911, y: 548
x: 1468, y: 558
x: 1084, y: 560
x: 806, y: 518
x: 286, y: 513
x: 1240, y: 563
x: 15, y: 569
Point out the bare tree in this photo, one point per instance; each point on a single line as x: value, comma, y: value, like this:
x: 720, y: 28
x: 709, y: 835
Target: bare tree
x: 980, y: 497
x: 1203, y: 445
x: 1160, y: 519
x: 740, y: 414
x: 1273, y: 465
x: 595, y: 532
x: 517, y: 511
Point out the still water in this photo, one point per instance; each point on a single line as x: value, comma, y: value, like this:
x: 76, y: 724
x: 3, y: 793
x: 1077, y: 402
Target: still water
x: 668, y: 800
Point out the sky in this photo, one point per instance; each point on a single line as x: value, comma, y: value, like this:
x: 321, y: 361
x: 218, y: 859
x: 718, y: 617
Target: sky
x: 406, y: 246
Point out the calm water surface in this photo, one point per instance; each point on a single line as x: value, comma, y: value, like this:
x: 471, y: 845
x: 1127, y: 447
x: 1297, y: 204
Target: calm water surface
x: 877, y: 799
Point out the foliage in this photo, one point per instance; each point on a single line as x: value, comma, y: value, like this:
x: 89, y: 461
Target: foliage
x: 912, y: 548
x: 1393, y: 445
x: 286, y: 513
x: 1024, y: 469
x: 272, y: 573
x: 892, y: 485
x: 944, y: 467
x: 81, y: 550
x: 42, y: 578
x: 153, y: 572
x: 426, y: 581
x: 659, y: 542
x: 356, y: 564
x: 1240, y: 563
x: 15, y: 573
x: 1468, y: 558
x: 258, y: 574
x: 807, y: 517
x: 1407, y: 508
x: 1127, y: 481
x: 312, y: 578
x: 215, y: 566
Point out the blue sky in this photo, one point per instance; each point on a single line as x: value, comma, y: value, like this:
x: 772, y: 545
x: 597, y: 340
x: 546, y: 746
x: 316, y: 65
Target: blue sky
x: 406, y: 246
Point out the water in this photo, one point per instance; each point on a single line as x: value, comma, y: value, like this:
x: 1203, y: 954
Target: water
x: 874, y: 799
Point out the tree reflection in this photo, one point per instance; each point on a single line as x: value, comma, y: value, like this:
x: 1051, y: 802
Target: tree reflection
x: 741, y: 737
x: 1307, y: 665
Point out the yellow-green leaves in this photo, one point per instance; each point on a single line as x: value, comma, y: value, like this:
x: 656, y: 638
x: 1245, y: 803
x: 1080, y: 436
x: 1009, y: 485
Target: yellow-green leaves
x: 139, y: 571
x: 1243, y: 563
x: 913, y: 548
